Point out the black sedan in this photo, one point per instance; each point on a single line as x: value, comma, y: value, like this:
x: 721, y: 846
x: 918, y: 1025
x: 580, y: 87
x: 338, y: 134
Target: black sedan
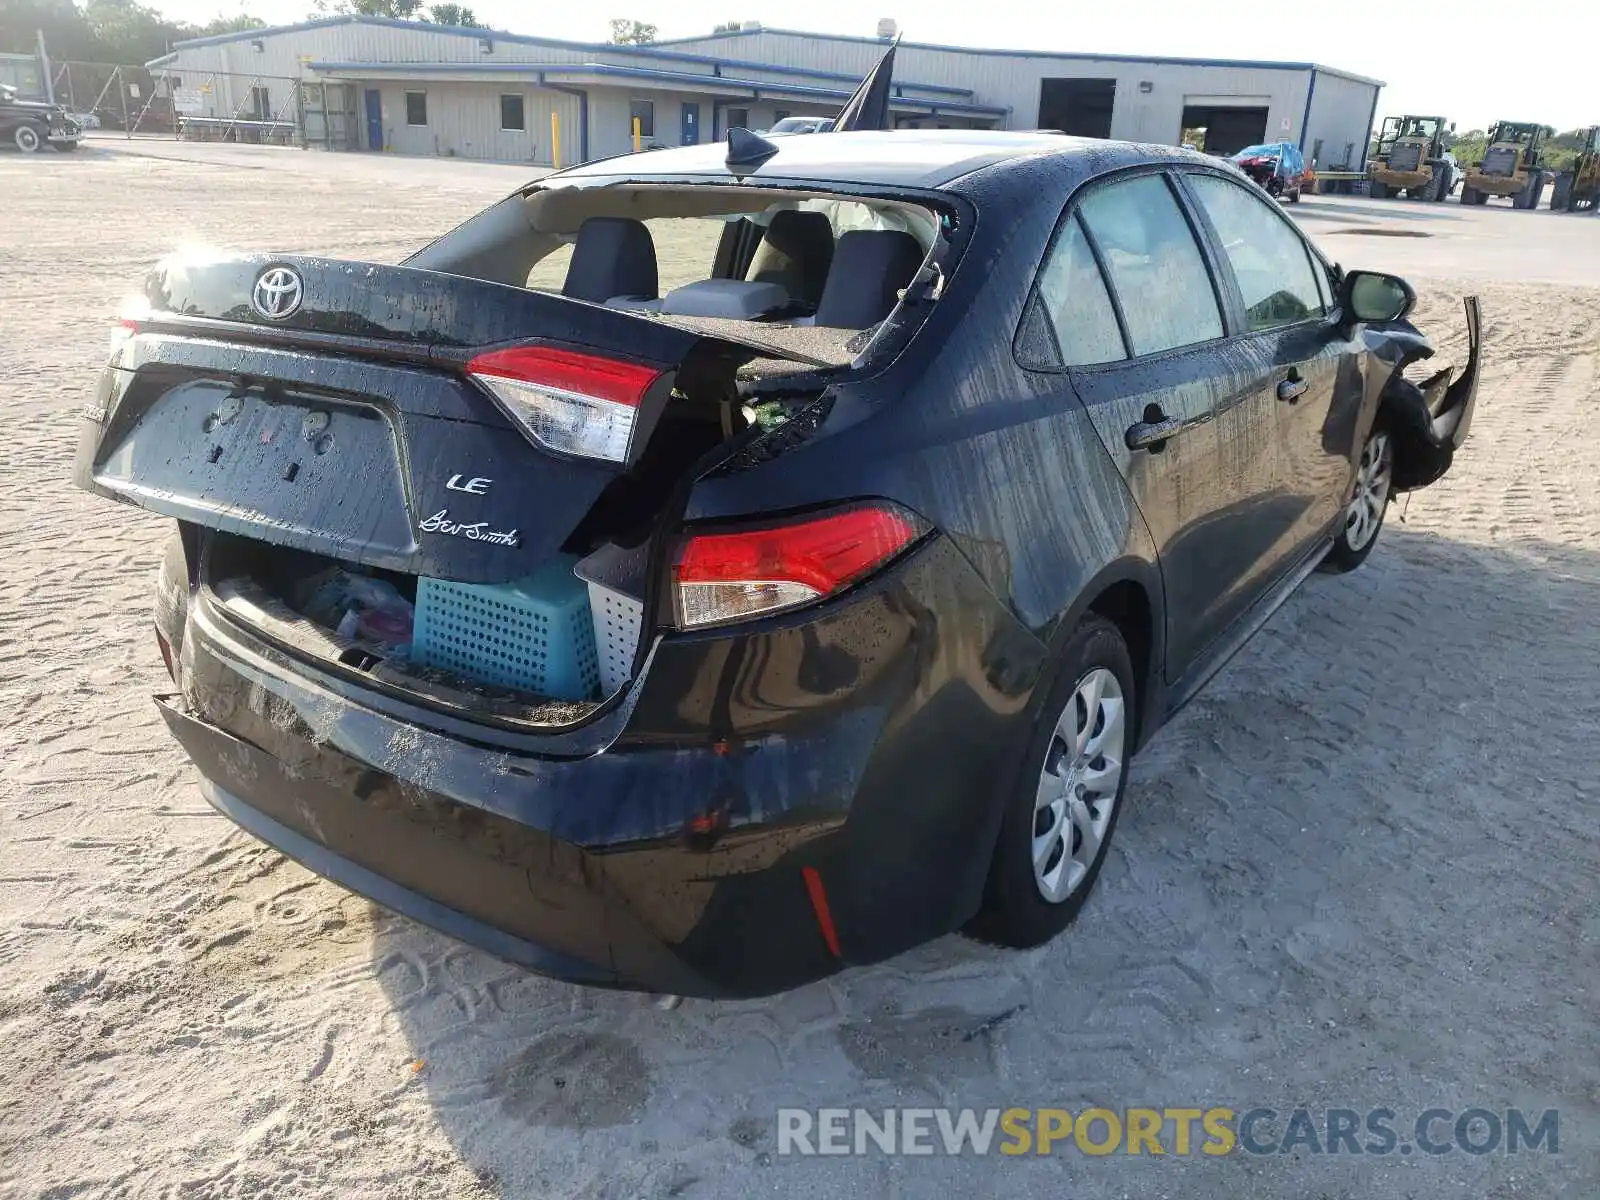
x: 28, y: 125
x: 698, y: 573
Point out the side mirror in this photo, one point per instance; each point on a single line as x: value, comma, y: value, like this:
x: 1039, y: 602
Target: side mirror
x: 1374, y: 296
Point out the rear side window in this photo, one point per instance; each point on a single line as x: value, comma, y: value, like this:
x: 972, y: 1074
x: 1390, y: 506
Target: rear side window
x: 1075, y: 303
x: 1154, y: 263
x: 1269, y: 259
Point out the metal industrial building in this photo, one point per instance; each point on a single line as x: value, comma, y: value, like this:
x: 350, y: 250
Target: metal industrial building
x: 369, y: 83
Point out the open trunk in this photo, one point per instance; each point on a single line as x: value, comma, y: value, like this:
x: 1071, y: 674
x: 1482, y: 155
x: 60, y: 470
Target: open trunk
x: 456, y: 487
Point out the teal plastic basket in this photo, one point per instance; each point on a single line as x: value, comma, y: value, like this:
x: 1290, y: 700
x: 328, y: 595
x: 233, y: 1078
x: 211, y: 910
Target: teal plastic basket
x: 531, y: 635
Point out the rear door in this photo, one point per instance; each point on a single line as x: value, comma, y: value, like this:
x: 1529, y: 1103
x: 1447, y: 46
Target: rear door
x: 1137, y: 322
x: 1305, y: 378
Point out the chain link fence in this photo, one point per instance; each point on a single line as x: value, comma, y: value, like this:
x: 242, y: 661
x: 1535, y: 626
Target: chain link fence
x: 209, y: 105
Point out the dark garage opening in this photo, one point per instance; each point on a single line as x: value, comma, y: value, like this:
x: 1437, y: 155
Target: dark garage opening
x: 1081, y: 107
x: 1224, y: 130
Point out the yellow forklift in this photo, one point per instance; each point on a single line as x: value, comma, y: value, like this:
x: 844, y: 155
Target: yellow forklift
x: 1578, y: 189
x: 1410, y: 158
x: 1512, y: 166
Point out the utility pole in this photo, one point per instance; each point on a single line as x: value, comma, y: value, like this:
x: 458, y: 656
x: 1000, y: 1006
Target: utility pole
x: 44, y: 69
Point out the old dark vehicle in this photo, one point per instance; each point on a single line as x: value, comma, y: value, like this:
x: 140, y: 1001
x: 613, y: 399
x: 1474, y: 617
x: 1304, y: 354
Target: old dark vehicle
x: 702, y: 571
x: 29, y: 125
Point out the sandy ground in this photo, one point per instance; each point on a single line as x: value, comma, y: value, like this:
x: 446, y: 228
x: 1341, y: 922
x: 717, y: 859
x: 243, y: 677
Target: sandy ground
x: 1359, y: 871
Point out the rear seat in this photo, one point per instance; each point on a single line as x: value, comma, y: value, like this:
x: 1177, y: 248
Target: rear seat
x: 861, y: 276
x: 795, y: 253
x: 613, y: 258
x: 871, y: 267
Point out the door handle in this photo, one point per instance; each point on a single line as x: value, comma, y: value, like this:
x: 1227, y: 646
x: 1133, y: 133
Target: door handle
x: 1149, y: 435
x: 1292, y: 389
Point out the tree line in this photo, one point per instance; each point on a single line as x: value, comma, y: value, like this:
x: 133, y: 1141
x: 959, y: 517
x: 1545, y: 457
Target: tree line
x: 126, y: 32
x: 1559, y: 150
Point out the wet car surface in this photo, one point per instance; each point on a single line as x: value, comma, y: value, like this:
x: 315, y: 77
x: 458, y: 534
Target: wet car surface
x: 1007, y: 495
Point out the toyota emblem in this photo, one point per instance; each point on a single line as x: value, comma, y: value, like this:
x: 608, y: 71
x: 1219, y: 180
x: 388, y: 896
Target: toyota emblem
x: 277, y: 293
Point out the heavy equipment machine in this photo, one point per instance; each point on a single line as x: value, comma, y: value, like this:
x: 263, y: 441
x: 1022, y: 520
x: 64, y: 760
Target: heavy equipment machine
x: 1410, y: 158
x: 1512, y: 166
x: 1578, y: 188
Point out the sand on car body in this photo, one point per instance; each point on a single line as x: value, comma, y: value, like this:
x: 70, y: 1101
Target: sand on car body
x: 1358, y: 871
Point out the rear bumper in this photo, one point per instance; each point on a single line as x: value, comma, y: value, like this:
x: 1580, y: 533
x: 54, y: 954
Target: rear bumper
x: 866, y: 743
x: 517, y: 892
x: 202, y: 741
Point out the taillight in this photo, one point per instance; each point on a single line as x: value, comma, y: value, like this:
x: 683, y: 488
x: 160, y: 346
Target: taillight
x: 751, y: 572
x: 135, y: 311
x: 569, y: 402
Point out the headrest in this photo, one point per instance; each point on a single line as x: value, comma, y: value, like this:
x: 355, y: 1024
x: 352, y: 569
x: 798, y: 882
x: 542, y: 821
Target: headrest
x: 795, y: 254
x: 870, y: 268
x: 614, y: 256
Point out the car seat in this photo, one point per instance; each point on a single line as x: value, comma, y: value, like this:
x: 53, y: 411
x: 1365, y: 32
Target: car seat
x: 870, y: 269
x: 796, y: 254
x: 613, y: 257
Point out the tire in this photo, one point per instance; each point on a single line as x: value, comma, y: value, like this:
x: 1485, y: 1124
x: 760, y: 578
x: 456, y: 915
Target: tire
x: 1294, y: 196
x: 1378, y: 191
x: 26, y: 139
x: 1094, y: 665
x: 65, y: 147
x: 1441, y: 185
x: 1371, y: 491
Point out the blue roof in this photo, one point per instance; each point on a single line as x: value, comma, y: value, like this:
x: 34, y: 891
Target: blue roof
x: 660, y: 50
x: 1256, y: 64
x: 522, y: 39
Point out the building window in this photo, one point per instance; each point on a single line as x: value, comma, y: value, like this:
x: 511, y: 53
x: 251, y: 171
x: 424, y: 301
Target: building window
x: 738, y: 118
x: 644, y: 112
x: 260, y: 104
x: 416, y: 108
x: 511, y: 115
x: 779, y: 114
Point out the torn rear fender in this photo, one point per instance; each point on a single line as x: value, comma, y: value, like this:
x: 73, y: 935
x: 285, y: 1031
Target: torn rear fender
x: 1429, y: 421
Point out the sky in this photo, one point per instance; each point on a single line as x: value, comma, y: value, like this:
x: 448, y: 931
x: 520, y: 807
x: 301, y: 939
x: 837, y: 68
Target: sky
x: 1424, y: 50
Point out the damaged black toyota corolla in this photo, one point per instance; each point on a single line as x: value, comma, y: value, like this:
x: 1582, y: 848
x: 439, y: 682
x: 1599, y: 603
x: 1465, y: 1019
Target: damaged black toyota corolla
x: 697, y: 575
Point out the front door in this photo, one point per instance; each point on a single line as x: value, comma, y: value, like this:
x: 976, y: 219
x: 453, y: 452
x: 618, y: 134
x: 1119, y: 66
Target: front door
x: 1307, y: 376
x: 1168, y: 400
x: 691, y: 124
x: 374, y: 119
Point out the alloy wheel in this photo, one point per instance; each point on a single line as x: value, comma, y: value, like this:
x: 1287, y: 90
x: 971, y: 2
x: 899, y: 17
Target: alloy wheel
x: 1078, y: 785
x: 1370, y: 492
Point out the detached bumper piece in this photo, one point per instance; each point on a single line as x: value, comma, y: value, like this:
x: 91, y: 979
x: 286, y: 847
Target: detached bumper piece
x: 1435, y: 416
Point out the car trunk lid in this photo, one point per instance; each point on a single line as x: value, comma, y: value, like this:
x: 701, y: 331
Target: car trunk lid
x: 326, y: 406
